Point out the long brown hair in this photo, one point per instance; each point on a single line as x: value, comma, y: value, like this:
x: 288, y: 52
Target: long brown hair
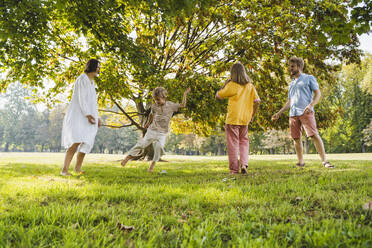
x: 91, y: 66
x: 238, y: 74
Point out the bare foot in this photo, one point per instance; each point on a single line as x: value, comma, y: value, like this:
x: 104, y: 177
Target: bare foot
x: 125, y: 161
x: 63, y: 173
x: 79, y: 172
x: 151, y: 168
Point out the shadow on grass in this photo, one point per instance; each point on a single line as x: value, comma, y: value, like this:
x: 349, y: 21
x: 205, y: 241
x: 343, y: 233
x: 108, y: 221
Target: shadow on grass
x: 179, y: 174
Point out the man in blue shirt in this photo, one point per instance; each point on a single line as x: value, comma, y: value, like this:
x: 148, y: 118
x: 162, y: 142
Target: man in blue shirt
x: 303, y: 95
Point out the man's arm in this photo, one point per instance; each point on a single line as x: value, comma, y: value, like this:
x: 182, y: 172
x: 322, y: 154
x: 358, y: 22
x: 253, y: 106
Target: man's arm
x: 314, y: 102
x: 285, y: 108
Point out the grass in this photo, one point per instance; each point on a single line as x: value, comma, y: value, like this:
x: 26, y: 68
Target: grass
x: 195, y: 204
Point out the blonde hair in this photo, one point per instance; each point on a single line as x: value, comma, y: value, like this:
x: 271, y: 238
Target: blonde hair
x: 298, y: 61
x: 159, y: 92
x: 238, y: 74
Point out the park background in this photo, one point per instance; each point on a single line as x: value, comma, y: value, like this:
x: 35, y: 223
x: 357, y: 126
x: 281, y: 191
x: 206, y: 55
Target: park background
x: 179, y: 44
x: 189, y: 201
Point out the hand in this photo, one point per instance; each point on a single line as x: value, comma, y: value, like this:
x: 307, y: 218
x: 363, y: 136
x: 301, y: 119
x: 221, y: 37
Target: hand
x: 187, y: 91
x: 217, y: 96
x: 99, y: 122
x: 275, y: 117
x: 91, y: 119
x: 308, y: 109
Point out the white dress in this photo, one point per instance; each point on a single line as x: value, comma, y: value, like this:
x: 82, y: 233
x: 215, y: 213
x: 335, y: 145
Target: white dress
x: 76, y: 127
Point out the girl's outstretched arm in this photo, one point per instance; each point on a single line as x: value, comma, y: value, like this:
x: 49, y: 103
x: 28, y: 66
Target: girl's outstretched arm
x: 187, y: 91
x: 149, y: 120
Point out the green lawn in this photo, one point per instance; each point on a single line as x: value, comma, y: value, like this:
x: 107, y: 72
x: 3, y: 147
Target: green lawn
x: 195, y: 204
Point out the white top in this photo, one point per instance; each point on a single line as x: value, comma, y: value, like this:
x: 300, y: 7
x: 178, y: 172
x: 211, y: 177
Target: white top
x: 76, y: 127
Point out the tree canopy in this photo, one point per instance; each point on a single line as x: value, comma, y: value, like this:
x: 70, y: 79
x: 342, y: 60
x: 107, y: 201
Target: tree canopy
x: 178, y: 44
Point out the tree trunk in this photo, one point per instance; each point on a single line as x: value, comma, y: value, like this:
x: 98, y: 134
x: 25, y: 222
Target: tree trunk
x: 219, y: 149
x: 6, y: 147
x: 306, y: 145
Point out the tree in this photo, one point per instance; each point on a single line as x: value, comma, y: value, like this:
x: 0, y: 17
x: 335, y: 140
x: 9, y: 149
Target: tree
x: 14, y: 114
x: 25, y: 136
x: 355, y: 104
x: 367, y: 134
x: 115, y: 140
x: 42, y: 132
x: 275, y: 139
x: 143, y: 44
x: 54, y: 133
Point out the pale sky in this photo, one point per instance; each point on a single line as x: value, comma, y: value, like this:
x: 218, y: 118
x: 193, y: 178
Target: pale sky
x: 366, y: 42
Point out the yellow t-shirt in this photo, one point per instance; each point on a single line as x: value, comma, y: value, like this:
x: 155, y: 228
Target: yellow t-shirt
x: 241, y: 99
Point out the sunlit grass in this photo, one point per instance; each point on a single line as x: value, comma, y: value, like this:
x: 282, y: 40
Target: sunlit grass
x: 194, y: 204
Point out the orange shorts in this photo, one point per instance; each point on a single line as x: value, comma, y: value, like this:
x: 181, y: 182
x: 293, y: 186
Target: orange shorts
x: 305, y: 121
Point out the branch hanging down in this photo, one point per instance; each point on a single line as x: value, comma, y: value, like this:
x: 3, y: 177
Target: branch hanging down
x: 133, y: 122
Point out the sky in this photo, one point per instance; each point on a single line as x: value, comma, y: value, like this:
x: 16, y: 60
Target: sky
x: 366, y: 42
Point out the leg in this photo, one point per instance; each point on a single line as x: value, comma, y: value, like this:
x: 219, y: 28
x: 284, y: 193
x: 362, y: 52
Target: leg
x: 244, y: 147
x: 299, y: 150
x: 232, y: 138
x: 152, y: 165
x: 68, y: 157
x: 157, y: 145
x: 79, y: 161
x: 309, y: 123
x: 137, y: 150
x: 318, y: 143
x: 125, y: 161
x: 295, y: 127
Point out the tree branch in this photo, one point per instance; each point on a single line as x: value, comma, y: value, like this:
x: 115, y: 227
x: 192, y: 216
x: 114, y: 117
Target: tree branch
x: 127, y: 115
x: 110, y: 111
x: 112, y: 126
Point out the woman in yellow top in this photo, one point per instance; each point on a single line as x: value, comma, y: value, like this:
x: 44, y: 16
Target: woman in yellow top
x: 241, y: 109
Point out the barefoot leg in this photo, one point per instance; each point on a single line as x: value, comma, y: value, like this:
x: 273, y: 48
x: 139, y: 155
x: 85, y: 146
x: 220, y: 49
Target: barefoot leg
x: 151, y: 168
x: 125, y: 161
x: 79, y: 162
x: 68, y: 157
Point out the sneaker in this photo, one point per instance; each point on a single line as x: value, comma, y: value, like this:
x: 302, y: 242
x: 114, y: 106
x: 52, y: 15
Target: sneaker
x: 328, y: 165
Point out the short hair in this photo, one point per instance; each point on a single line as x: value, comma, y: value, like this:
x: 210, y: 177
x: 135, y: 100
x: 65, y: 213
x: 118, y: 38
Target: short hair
x: 91, y: 66
x: 298, y: 61
x: 159, y: 92
x: 238, y: 74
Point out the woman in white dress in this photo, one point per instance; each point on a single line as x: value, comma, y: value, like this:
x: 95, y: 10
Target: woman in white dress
x: 81, y: 121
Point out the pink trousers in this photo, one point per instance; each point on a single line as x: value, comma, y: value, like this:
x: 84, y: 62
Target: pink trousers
x: 237, y: 143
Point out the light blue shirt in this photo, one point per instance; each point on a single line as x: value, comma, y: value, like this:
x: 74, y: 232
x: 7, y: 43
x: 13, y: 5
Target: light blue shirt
x: 300, y: 93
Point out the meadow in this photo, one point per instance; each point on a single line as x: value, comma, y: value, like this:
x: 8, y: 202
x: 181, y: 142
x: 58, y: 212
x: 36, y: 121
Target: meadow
x: 186, y: 202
